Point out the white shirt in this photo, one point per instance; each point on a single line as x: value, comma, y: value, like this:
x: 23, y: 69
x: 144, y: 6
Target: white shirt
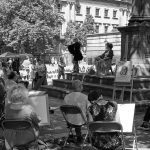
x: 26, y: 63
x: 77, y: 99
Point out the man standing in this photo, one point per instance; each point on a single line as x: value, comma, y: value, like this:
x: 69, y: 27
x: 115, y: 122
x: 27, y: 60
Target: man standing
x: 61, y: 68
x: 78, y: 99
x: 75, y: 50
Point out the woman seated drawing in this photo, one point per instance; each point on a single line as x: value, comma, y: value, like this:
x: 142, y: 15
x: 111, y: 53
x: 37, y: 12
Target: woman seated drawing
x: 102, y: 110
x: 20, y: 108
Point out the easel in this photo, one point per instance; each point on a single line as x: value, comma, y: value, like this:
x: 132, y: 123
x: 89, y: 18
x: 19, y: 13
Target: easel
x: 123, y: 85
x: 123, y: 81
x: 124, y: 118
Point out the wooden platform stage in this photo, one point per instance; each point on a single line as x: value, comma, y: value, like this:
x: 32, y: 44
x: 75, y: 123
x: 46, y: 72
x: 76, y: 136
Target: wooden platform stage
x: 61, y: 87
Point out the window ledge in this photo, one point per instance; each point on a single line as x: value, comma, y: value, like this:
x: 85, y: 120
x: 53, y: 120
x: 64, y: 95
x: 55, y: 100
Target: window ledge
x: 107, y: 17
x: 115, y: 18
x: 97, y: 16
x: 78, y: 14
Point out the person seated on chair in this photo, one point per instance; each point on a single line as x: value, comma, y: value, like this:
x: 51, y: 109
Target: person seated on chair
x: 103, y: 62
x: 20, y: 108
x: 78, y: 99
x: 145, y: 123
x: 102, y: 110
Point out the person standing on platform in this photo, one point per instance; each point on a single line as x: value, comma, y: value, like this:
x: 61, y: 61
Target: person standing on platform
x: 61, y: 68
x: 75, y: 50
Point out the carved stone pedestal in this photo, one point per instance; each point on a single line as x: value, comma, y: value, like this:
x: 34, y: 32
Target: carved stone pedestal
x: 135, y: 45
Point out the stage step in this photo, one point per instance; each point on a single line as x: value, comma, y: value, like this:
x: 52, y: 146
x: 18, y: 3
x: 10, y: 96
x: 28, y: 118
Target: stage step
x: 62, y: 87
x: 61, y: 92
x: 139, y: 82
x: 54, y: 91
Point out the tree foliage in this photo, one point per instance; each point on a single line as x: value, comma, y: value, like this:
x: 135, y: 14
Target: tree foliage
x: 29, y: 24
x: 80, y: 31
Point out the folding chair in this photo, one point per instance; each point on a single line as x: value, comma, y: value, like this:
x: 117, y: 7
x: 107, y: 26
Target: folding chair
x: 105, y: 127
x: 20, y: 125
x: 72, y: 110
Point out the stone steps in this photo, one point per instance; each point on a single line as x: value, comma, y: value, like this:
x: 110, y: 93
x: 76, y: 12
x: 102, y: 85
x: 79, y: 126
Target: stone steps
x: 60, y: 93
x: 107, y: 90
x: 141, y: 86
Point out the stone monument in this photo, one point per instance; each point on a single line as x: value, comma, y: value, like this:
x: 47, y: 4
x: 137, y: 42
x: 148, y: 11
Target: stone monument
x: 135, y: 38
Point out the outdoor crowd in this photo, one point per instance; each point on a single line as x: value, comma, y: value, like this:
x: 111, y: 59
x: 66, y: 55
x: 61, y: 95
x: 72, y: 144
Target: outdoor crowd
x: 15, y: 104
x: 24, y: 70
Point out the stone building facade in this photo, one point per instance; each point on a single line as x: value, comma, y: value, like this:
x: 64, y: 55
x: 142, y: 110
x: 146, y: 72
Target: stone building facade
x: 107, y: 14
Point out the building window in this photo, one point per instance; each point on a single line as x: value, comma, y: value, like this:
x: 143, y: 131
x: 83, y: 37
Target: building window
x: 97, y: 28
x: 105, y: 29
x: 106, y: 13
x: 78, y: 9
x: 59, y: 6
x: 88, y: 10
x: 123, y: 13
x: 115, y: 14
x: 97, y: 12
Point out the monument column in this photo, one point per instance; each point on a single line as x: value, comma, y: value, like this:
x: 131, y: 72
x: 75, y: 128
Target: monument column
x: 135, y: 38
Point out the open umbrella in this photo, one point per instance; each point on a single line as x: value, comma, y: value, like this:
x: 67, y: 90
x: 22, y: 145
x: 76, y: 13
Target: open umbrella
x: 8, y: 55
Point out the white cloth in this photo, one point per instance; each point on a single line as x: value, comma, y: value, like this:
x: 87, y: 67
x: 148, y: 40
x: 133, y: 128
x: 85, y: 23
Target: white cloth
x: 26, y: 63
x: 77, y: 99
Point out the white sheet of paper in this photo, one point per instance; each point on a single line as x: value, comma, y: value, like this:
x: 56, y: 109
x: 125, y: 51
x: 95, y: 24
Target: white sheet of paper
x: 126, y: 116
x: 41, y: 106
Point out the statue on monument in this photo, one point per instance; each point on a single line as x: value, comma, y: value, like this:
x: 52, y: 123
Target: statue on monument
x: 140, y: 8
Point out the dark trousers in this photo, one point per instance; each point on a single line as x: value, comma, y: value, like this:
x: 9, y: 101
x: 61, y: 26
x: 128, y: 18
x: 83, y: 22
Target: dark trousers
x: 147, y: 115
x: 75, y: 67
x: 78, y: 132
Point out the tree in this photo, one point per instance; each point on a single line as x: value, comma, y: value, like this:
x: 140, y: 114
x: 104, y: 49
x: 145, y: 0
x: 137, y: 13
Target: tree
x: 80, y: 31
x: 29, y: 24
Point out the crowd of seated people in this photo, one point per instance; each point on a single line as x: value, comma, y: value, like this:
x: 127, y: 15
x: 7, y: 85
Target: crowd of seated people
x: 15, y: 104
x: 93, y: 106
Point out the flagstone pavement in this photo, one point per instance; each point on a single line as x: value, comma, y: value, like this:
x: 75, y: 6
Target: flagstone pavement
x: 58, y: 127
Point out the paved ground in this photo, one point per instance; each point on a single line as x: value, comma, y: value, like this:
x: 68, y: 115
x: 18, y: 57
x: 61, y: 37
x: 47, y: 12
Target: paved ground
x: 59, y: 127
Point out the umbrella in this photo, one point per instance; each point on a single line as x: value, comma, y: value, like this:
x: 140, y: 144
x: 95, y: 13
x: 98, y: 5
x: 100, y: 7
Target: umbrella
x: 8, y: 55
x: 25, y: 55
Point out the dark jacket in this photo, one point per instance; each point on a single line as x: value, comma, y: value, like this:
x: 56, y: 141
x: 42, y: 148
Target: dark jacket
x: 74, y: 49
x: 109, y: 56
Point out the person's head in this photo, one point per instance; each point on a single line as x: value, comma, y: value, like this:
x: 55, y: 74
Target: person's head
x: 39, y: 61
x: 4, y: 64
x: 61, y: 59
x: 77, y: 85
x: 18, y: 94
x: 109, y: 46
x: 75, y: 40
x: 93, y: 96
x: 12, y: 75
